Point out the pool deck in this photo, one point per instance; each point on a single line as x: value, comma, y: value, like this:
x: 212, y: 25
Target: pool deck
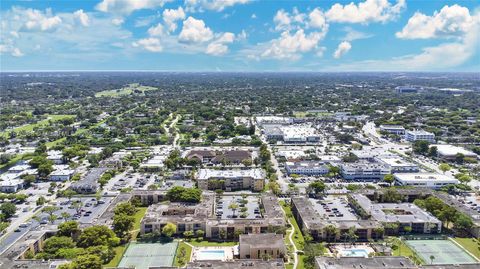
x: 229, y: 252
x: 340, y: 250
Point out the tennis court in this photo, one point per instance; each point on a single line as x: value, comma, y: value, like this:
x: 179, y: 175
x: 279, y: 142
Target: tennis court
x: 143, y: 256
x: 444, y: 251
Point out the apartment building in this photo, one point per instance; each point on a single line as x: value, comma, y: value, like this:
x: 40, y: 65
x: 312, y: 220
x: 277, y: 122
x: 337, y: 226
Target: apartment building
x: 214, y: 216
x: 419, y: 135
x: 364, y: 170
x: 231, y: 180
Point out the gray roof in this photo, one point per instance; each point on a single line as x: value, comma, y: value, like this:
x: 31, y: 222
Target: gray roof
x: 262, y: 240
x: 253, y: 264
x: 378, y: 262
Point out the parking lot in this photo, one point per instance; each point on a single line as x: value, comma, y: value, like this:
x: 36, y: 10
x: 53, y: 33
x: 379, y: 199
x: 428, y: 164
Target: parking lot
x: 334, y: 208
x: 252, y: 206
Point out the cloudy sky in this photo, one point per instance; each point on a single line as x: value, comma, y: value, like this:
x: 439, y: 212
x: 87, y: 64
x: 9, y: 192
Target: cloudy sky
x: 240, y: 35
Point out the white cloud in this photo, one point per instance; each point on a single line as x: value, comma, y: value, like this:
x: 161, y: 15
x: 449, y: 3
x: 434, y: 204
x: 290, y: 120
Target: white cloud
x: 62, y: 35
x: 445, y: 56
x: 17, y: 53
x: 150, y: 44
x: 253, y: 16
x: 128, y: 6
x: 36, y: 20
x: 219, y: 47
x: 342, y: 48
x: 215, y: 5
x: 82, y: 17
x: 352, y: 34
x: 289, y: 46
x: 365, y: 12
x: 144, y: 20
x: 195, y: 31
x: 170, y: 16
x: 450, y: 21
x: 317, y: 19
x: 216, y: 49
x: 286, y: 21
x: 242, y: 36
x: 156, y: 30
x: 282, y: 20
x: 117, y: 21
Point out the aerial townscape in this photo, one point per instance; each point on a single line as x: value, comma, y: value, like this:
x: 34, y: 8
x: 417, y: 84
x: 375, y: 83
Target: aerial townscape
x: 150, y: 167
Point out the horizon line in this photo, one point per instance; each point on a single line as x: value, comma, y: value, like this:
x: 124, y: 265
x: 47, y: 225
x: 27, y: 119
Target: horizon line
x: 217, y: 71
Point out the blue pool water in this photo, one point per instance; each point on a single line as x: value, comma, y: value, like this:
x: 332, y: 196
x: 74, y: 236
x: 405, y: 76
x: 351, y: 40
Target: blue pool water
x: 211, y: 255
x: 354, y: 252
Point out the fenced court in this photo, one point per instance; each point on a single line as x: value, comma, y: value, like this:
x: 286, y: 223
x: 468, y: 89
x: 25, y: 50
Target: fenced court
x: 145, y: 255
x: 443, y: 251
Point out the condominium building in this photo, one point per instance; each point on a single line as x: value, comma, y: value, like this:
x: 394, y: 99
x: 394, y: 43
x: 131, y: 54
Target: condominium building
x: 419, y: 135
x: 216, y: 218
x: 426, y: 180
x: 259, y: 246
x: 393, y: 129
x: 364, y: 170
x: 307, y: 168
x: 231, y: 180
x: 398, y: 165
x: 400, y: 214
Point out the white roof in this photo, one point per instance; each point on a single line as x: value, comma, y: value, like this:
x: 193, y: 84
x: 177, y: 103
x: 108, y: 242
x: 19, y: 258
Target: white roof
x: 419, y: 132
x: 425, y: 177
x: 13, y: 182
x: 298, y: 132
x: 62, y: 172
x: 450, y: 150
x: 394, y: 161
x: 20, y: 167
x: 54, y: 154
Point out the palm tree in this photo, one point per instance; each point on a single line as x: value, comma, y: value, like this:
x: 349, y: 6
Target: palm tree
x: 431, y: 259
x: 233, y: 206
x: 351, y: 234
x: 331, y: 230
x: 65, y: 216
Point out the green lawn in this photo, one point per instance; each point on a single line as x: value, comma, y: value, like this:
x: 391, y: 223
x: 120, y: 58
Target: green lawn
x: 297, y: 237
x: 404, y: 250
x: 188, y: 253
x: 138, y: 217
x: 125, y: 90
x: 211, y: 244
x: 470, y: 244
x: 136, y: 228
x: 118, y: 256
x: 30, y: 127
x: 12, y: 161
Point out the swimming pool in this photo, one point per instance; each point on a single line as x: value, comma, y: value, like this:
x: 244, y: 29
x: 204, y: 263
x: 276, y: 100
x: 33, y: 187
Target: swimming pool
x: 207, y: 254
x: 354, y: 252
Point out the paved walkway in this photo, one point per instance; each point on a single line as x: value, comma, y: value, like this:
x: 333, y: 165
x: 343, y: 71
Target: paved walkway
x: 290, y: 238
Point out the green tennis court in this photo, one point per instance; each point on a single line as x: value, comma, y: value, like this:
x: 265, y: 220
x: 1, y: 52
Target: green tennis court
x: 143, y: 256
x: 443, y: 251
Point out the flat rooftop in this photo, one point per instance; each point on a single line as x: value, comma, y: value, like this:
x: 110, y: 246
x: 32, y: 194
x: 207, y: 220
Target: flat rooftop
x: 450, y: 150
x: 240, y: 264
x: 395, y: 161
x: 334, y: 208
x: 384, y: 262
x: 424, y: 177
x: 394, y: 212
x: 251, y: 205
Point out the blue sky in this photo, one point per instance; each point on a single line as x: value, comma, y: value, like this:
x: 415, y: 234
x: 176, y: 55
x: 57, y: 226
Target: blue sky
x: 240, y: 35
